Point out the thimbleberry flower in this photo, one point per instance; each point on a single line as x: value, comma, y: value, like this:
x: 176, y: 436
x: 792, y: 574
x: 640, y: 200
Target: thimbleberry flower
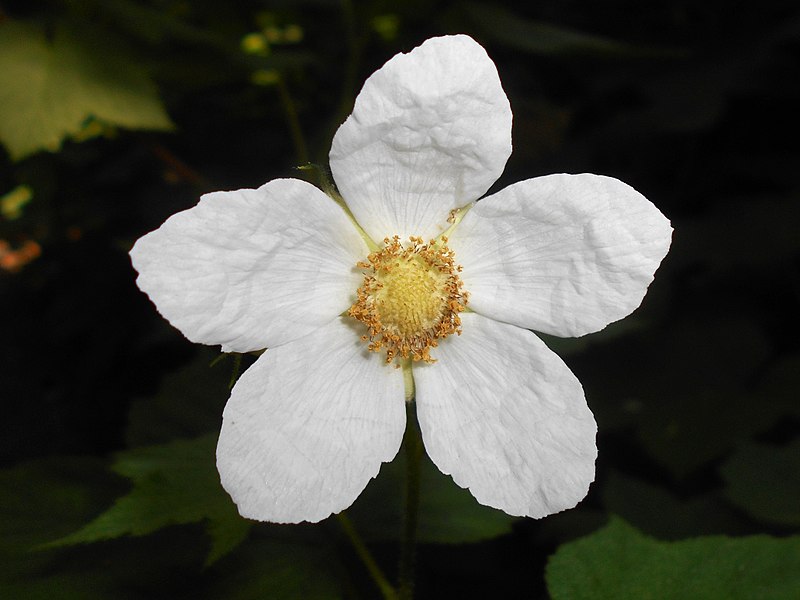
x: 407, y: 283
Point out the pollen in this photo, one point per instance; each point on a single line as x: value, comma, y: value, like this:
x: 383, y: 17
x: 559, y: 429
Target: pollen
x: 410, y: 299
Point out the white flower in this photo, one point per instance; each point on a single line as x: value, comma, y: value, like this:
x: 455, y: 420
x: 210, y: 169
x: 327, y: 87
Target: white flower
x: 285, y: 267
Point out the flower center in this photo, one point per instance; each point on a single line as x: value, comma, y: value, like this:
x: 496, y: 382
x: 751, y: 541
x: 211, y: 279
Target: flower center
x: 410, y: 298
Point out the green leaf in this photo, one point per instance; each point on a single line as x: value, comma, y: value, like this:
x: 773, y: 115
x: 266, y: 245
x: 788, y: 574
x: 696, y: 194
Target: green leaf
x: 279, y: 570
x: 764, y: 481
x: 47, y: 498
x: 620, y: 562
x: 173, y: 483
x: 156, y: 567
x: 44, y: 499
x: 660, y: 513
x: 447, y: 513
x: 40, y: 500
x: 49, y: 90
x: 188, y: 404
x: 695, y: 403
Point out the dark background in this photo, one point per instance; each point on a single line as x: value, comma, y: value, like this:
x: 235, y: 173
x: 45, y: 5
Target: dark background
x: 693, y: 103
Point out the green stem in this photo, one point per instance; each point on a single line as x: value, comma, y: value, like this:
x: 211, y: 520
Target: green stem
x: 293, y: 120
x: 366, y: 557
x: 408, y: 550
x: 237, y: 367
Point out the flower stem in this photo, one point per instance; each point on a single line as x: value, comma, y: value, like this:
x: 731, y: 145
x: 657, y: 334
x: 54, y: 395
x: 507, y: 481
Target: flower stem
x: 364, y: 554
x: 237, y: 368
x: 408, y: 550
x: 290, y: 111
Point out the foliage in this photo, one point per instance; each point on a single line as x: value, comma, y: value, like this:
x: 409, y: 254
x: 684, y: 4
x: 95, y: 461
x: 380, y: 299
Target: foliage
x: 115, y: 114
x: 174, y: 483
x: 53, y: 89
x: 620, y: 562
x: 448, y: 513
x: 765, y: 481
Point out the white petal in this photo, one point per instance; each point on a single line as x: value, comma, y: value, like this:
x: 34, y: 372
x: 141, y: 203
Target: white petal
x: 308, y: 425
x: 430, y: 131
x: 561, y: 254
x: 507, y: 419
x: 252, y: 268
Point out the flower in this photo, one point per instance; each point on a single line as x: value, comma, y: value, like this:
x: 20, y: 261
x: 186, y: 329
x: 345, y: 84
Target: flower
x: 408, y: 271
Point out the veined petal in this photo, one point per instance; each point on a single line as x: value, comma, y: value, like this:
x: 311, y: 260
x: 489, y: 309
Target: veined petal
x: 308, y: 425
x: 507, y: 419
x: 561, y: 254
x: 430, y: 132
x: 252, y: 268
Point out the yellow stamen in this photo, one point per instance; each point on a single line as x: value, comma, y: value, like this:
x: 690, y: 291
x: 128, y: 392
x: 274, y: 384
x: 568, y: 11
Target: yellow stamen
x: 410, y: 298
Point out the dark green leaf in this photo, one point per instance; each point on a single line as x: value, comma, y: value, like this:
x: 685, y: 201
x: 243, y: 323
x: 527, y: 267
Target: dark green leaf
x: 620, y: 562
x: 765, y: 482
x: 188, y: 404
x: 45, y: 499
x: 150, y: 23
x: 780, y: 385
x: 48, y: 498
x: 173, y: 483
x: 657, y: 512
x: 278, y: 570
x: 688, y: 431
x: 548, y: 39
x: 158, y: 567
x: 447, y: 513
x: 690, y: 403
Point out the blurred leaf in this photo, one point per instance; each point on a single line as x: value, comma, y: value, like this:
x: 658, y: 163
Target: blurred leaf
x: 188, y: 404
x: 12, y: 203
x: 659, y: 513
x: 447, y: 513
x: 550, y: 40
x: 568, y: 525
x: 43, y: 499
x: 173, y: 483
x: 278, y: 570
x: 47, y: 498
x: 688, y: 390
x: 688, y: 97
x: 712, y: 392
x: 157, y: 567
x: 764, y: 481
x: 693, y: 401
x: 194, y: 59
x: 690, y: 430
x: 619, y: 562
x: 48, y: 89
x: 150, y: 23
x: 781, y: 385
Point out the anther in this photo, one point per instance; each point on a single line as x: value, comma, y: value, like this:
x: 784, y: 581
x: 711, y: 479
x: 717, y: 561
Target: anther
x: 410, y: 298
